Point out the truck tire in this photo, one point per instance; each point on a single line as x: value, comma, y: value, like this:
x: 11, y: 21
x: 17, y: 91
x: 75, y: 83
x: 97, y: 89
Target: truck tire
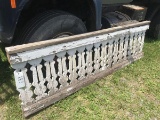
x: 154, y: 30
x: 50, y: 25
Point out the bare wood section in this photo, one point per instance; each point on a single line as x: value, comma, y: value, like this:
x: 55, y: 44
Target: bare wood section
x: 30, y: 109
x: 36, y: 45
x: 134, y: 7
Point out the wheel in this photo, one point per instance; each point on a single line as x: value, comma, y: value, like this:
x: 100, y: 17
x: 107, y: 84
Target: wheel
x: 154, y: 30
x: 50, y: 25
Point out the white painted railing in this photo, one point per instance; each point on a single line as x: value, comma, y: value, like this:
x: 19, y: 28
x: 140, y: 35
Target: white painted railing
x: 48, y: 71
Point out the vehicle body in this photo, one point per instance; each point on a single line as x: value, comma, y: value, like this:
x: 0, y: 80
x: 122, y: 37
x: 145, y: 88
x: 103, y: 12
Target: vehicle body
x: 13, y: 19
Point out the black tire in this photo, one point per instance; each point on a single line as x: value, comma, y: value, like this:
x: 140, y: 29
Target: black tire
x: 49, y: 25
x: 154, y: 30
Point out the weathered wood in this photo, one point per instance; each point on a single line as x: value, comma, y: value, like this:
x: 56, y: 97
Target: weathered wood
x: 30, y: 109
x: 48, y: 73
x: 60, y: 48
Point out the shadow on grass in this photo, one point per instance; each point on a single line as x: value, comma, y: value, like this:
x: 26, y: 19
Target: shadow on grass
x: 7, y: 87
x: 150, y: 40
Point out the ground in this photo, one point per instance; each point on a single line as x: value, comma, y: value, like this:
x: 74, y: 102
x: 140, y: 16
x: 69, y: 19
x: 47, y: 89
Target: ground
x: 132, y: 93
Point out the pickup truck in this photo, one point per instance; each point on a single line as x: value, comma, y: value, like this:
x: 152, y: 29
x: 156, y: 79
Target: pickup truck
x: 24, y: 21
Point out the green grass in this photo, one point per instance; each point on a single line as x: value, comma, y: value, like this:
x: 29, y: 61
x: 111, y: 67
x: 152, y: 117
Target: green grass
x: 132, y: 93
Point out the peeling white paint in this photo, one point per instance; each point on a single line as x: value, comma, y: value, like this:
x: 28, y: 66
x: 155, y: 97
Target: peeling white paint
x: 54, y: 68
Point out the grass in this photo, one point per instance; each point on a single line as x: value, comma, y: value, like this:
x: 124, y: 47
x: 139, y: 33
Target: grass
x: 132, y: 93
